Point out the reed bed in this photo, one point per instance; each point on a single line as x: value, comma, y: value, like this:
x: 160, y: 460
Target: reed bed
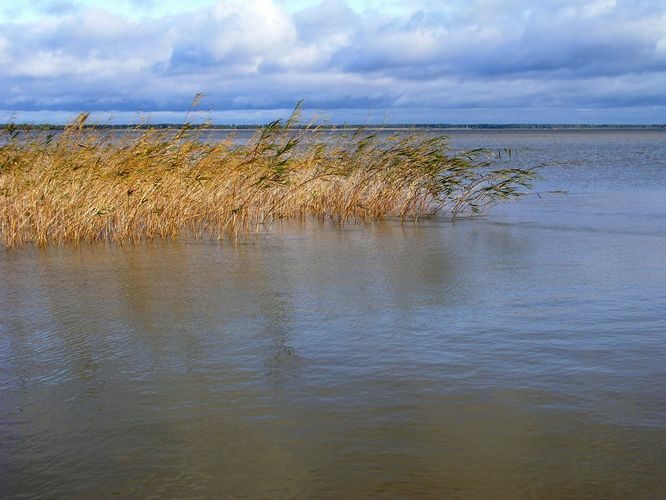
x: 86, y: 184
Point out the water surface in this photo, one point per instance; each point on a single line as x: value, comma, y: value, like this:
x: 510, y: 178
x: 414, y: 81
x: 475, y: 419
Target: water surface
x: 521, y: 354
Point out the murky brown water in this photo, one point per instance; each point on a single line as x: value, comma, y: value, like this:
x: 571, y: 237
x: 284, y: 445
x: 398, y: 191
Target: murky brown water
x: 517, y: 355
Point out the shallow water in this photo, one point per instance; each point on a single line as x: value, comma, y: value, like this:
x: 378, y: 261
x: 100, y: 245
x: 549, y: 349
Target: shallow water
x: 522, y: 354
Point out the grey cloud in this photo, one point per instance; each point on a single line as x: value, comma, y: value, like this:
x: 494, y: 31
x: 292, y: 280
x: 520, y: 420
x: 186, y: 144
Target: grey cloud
x: 501, y: 55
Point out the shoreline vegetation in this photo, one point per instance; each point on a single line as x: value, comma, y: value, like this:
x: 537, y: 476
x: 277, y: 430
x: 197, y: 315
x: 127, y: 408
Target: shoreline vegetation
x: 85, y: 183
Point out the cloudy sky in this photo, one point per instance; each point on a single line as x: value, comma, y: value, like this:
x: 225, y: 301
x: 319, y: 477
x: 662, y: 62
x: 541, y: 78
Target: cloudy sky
x: 360, y: 61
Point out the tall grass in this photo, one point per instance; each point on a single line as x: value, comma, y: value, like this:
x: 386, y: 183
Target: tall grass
x: 88, y: 184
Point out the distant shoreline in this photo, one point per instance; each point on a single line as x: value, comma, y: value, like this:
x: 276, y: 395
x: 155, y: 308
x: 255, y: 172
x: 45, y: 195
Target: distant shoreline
x: 393, y: 127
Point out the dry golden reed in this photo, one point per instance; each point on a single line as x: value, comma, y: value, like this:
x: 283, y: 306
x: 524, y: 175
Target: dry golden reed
x: 87, y: 184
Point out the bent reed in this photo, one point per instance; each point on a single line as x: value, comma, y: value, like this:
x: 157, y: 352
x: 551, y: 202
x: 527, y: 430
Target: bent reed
x: 87, y: 184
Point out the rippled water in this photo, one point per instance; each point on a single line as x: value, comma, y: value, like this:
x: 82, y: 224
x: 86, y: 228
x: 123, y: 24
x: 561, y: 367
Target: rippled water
x: 522, y: 354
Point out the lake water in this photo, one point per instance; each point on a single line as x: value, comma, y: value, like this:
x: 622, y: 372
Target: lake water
x: 517, y: 355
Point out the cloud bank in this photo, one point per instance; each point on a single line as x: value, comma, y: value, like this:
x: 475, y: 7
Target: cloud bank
x: 457, y: 61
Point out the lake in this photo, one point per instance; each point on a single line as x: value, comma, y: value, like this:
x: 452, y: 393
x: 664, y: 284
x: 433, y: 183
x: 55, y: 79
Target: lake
x: 518, y: 354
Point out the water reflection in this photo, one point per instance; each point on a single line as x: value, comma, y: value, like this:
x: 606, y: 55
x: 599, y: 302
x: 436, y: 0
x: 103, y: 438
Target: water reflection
x: 514, y: 355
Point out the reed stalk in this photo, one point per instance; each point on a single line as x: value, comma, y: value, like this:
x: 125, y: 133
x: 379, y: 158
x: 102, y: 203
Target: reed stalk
x: 87, y: 184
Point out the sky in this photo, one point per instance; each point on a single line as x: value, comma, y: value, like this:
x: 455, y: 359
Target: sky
x: 350, y: 61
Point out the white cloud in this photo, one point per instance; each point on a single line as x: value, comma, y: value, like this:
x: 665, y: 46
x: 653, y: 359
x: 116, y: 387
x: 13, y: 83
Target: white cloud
x: 599, y: 7
x: 252, y: 27
x: 258, y: 54
x: 4, y: 50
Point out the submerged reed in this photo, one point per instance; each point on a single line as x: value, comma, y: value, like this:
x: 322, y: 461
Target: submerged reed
x: 86, y: 184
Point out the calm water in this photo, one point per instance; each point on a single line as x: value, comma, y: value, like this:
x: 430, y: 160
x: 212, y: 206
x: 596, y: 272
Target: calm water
x: 519, y: 355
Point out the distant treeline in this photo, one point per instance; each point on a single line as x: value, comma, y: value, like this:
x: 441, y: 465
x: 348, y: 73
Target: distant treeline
x: 394, y: 126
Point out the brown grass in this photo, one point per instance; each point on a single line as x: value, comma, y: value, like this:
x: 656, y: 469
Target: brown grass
x: 87, y: 185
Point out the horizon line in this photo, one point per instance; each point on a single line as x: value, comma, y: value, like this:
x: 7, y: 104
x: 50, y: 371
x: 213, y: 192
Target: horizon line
x: 404, y: 125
